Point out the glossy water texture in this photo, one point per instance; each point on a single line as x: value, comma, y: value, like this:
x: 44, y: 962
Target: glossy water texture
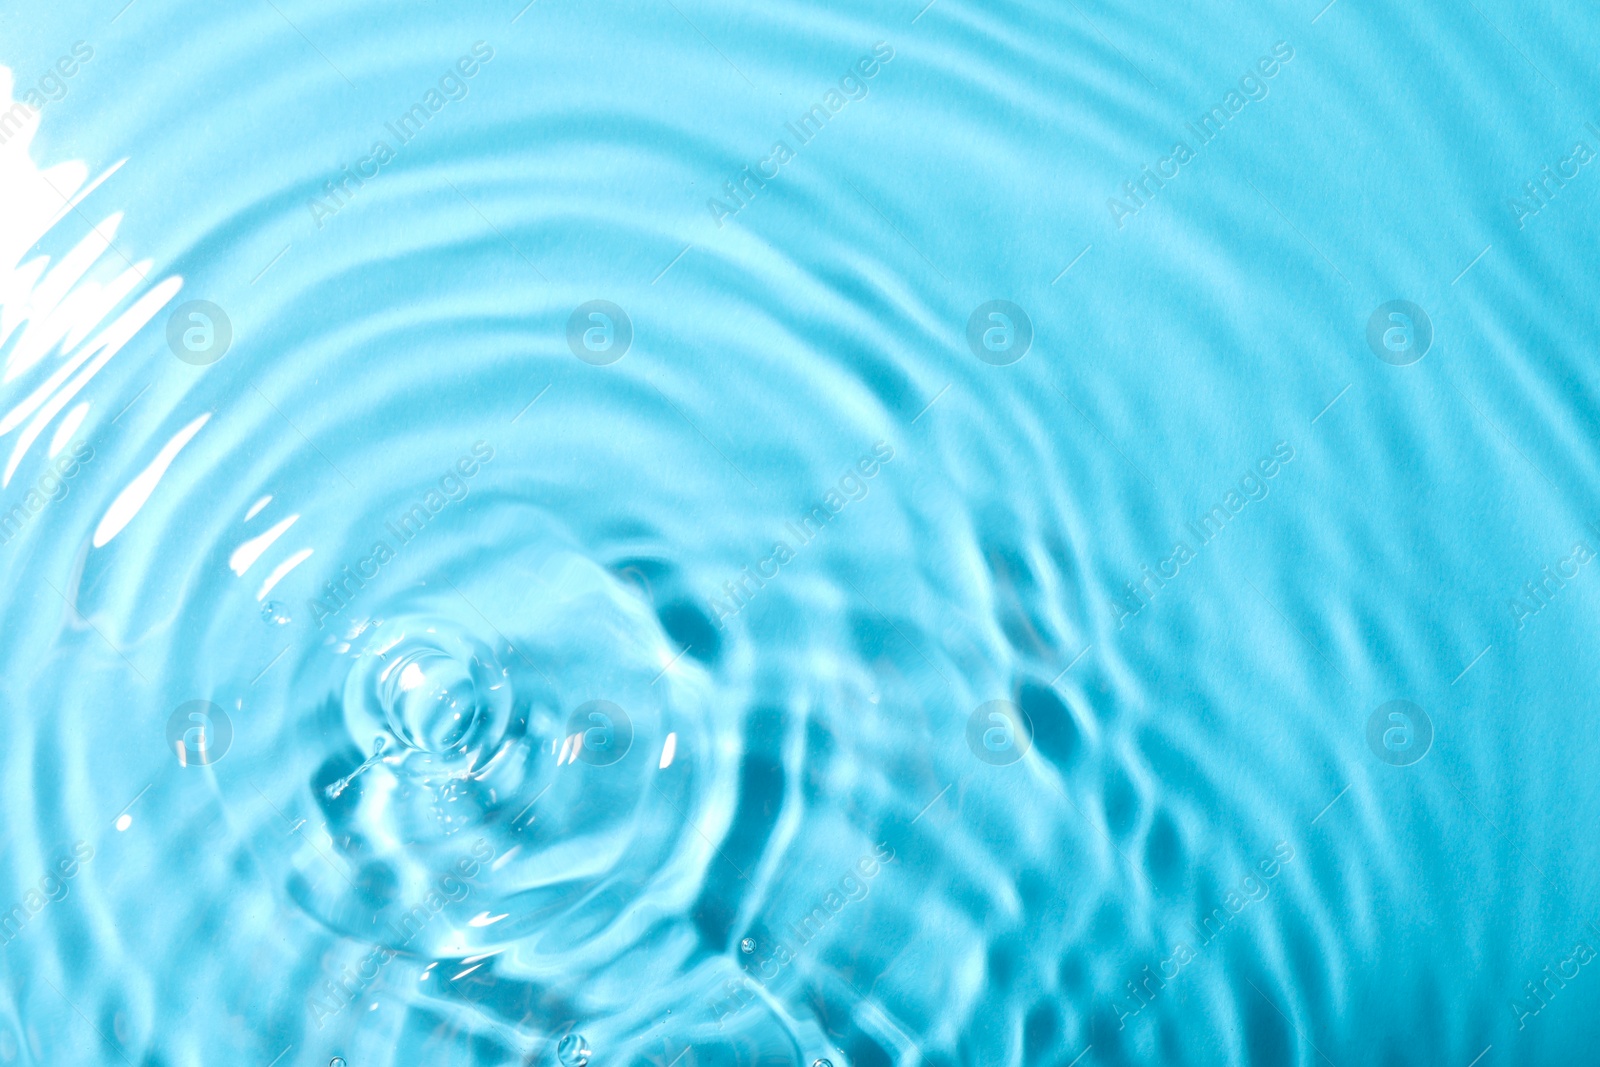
x: 678, y: 533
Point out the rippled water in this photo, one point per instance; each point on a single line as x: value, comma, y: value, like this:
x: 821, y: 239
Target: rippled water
x: 683, y: 534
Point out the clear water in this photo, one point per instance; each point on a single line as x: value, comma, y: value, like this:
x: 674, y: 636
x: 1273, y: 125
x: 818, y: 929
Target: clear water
x: 1084, y: 555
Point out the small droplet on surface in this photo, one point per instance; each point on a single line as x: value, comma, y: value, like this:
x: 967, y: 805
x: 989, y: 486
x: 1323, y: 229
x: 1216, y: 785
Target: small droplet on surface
x: 821, y: 1063
x: 337, y: 1061
x: 748, y: 945
x: 573, y: 1051
x: 273, y: 613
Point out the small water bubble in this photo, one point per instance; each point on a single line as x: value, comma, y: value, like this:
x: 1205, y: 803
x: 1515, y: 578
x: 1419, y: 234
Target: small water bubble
x: 748, y: 945
x: 573, y: 1051
x: 274, y: 613
x: 821, y: 1063
x: 337, y: 1061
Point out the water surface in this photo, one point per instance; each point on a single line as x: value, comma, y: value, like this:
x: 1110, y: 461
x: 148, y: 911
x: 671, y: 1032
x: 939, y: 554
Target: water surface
x: 669, y: 533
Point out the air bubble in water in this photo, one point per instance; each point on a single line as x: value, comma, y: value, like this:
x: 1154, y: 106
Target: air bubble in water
x: 337, y: 1061
x: 573, y: 1051
x: 748, y: 945
x: 821, y: 1063
x: 274, y: 613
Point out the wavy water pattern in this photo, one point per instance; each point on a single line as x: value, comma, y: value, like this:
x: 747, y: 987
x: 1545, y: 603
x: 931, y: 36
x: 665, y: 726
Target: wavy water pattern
x: 694, y: 535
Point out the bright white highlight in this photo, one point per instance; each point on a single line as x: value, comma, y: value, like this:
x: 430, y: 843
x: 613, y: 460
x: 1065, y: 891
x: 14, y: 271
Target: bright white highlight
x: 61, y: 322
x: 281, y: 571
x: 247, y: 553
x: 134, y: 495
x: 68, y: 427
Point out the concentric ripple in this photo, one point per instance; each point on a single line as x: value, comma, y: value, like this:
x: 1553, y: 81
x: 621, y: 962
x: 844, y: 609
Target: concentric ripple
x: 689, y: 535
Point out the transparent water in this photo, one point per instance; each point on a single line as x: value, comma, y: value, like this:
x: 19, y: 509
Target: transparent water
x: 688, y: 534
